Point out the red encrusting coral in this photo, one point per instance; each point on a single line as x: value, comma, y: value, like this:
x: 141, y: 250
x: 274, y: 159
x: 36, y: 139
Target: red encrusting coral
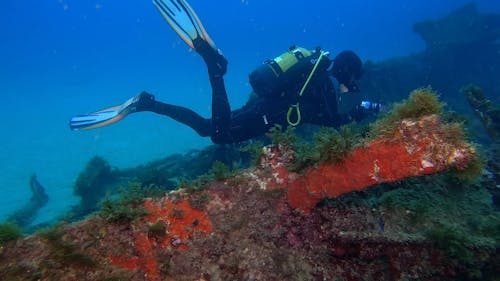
x: 131, y: 263
x: 181, y: 223
x: 417, y: 148
x: 147, y: 257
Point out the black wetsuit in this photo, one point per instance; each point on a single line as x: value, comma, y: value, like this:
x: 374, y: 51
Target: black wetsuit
x: 318, y: 105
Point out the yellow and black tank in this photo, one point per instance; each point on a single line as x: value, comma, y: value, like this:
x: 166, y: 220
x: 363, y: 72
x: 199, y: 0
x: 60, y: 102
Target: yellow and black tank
x: 285, y: 74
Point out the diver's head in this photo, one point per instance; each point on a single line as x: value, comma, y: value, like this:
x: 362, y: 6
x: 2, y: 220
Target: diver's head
x: 347, y: 68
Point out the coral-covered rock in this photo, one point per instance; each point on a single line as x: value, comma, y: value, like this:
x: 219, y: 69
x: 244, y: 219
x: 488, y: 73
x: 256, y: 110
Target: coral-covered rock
x: 419, y: 147
x: 262, y: 224
x: 167, y: 226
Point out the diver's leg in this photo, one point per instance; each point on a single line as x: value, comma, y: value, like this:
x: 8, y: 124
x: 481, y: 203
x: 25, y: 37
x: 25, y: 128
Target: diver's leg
x: 186, y: 116
x: 221, y: 111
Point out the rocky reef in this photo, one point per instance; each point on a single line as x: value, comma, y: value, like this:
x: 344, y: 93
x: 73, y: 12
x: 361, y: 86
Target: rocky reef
x: 393, y: 208
x: 25, y: 215
x: 408, y: 197
x: 461, y: 48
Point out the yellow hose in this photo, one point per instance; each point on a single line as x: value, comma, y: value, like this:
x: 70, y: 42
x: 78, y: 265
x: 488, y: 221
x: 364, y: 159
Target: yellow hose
x: 296, y: 106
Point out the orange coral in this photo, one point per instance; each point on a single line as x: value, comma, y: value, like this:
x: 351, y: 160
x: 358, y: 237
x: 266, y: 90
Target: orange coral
x: 149, y: 262
x: 417, y: 148
x: 130, y: 264
x: 182, y: 223
x: 182, y: 220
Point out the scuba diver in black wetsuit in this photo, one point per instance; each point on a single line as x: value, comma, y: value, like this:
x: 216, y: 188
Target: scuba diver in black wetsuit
x: 293, y: 88
x: 317, y: 105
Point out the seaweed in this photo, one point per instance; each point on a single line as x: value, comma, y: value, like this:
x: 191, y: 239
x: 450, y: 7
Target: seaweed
x: 64, y: 252
x: 452, y: 241
x: 91, y: 184
x: 18, y: 273
x: 220, y: 171
x: 255, y: 149
x: 328, y: 145
x: 9, y: 232
x: 127, y: 207
x: 118, y: 212
x: 487, y: 111
x: 286, y: 137
x: 421, y: 102
x: 473, y: 171
x: 201, y: 182
x: 334, y: 146
x: 158, y: 229
x: 198, y: 201
x: 237, y: 180
x: 154, y: 176
x: 455, y: 216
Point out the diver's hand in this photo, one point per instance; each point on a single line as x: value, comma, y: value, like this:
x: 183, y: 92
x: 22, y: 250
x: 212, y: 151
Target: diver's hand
x: 215, y: 61
x: 374, y: 106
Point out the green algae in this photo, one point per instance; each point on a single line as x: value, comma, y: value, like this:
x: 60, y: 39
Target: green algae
x: 200, y: 200
x: 421, y: 102
x: 328, y: 145
x: 220, y: 171
x: 255, y: 150
x: 457, y: 217
x: 285, y: 137
x: 157, y: 230
x: 331, y: 145
x: 474, y: 169
x: 9, y: 232
x: 128, y: 206
x: 487, y: 111
x: 64, y: 252
x: 90, y: 183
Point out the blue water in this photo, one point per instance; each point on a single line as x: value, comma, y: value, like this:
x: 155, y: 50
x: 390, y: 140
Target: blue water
x: 59, y: 58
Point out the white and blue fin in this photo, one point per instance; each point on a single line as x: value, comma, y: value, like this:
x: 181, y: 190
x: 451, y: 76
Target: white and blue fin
x: 183, y: 20
x: 103, y: 117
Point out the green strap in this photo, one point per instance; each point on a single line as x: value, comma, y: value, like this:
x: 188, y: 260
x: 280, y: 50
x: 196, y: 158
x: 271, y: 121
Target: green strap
x: 296, y: 106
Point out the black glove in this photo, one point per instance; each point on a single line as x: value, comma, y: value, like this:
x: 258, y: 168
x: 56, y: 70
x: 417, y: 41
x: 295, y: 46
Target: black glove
x: 366, y: 109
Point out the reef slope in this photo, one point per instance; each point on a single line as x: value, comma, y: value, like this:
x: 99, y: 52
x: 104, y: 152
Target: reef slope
x: 391, y: 219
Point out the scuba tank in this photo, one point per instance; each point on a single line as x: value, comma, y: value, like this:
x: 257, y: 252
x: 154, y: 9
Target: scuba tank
x: 285, y: 74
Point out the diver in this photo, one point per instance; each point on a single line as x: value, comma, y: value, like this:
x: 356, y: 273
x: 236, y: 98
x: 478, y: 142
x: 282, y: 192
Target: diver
x: 292, y: 88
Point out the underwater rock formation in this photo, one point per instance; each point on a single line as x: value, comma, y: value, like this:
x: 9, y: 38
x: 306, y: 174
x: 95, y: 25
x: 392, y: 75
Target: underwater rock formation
x: 246, y: 226
x: 465, y: 26
x: 271, y: 223
x: 25, y: 215
x: 462, y: 48
x: 99, y: 179
x: 489, y: 114
x: 486, y: 110
x: 416, y: 149
x: 91, y: 184
x: 418, y: 145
